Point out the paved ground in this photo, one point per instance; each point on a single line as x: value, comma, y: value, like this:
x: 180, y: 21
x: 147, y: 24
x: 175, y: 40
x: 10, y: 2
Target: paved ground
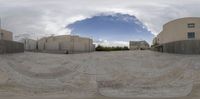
x: 99, y: 75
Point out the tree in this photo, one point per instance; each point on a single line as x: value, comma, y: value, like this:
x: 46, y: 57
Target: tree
x: 102, y: 48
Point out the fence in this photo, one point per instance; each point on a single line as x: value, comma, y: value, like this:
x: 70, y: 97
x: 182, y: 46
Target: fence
x: 181, y: 47
x: 10, y: 47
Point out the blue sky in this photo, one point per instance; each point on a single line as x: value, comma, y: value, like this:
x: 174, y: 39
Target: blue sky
x: 112, y: 27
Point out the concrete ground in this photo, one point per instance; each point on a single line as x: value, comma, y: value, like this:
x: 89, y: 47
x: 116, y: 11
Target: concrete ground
x: 100, y: 75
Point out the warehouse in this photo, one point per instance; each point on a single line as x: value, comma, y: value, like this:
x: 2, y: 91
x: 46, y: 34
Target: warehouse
x: 65, y: 44
x: 138, y: 45
x: 179, y: 36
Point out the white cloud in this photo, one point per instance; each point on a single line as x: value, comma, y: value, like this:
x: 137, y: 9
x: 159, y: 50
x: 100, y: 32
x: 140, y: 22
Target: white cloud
x: 38, y: 18
x: 111, y: 43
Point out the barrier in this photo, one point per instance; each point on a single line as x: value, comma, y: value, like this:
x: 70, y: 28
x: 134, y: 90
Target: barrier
x: 180, y: 47
x: 10, y: 47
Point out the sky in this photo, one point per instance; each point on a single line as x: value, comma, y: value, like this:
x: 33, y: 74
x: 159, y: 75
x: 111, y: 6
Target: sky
x: 112, y: 29
x: 39, y: 18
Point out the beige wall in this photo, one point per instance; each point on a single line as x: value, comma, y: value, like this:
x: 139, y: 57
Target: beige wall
x: 30, y: 44
x: 177, y: 30
x: 6, y: 35
x: 64, y: 43
x: 41, y: 44
x: 83, y: 45
x: 137, y: 45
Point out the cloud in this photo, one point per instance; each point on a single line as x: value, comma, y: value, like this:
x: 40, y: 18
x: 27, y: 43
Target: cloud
x: 111, y: 43
x: 38, y: 18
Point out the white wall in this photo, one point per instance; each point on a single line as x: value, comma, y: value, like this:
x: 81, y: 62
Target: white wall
x: 71, y: 44
x: 41, y: 44
x: 30, y: 44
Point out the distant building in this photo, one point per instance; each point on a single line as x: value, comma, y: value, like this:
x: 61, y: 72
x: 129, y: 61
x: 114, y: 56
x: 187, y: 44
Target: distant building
x: 65, y: 44
x: 30, y: 44
x: 138, y: 45
x: 179, y: 36
x: 6, y: 35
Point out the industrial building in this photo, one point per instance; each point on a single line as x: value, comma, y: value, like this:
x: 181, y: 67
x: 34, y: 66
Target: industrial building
x: 138, y: 45
x: 7, y: 45
x: 60, y: 44
x: 179, y: 36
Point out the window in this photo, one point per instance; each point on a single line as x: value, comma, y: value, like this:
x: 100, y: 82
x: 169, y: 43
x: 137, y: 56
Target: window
x: 191, y: 25
x: 191, y: 35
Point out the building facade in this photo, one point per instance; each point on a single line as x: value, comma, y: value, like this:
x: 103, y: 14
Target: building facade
x: 30, y: 44
x: 138, y: 45
x: 6, y: 35
x: 179, y: 36
x: 7, y: 45
x: 65, y: 44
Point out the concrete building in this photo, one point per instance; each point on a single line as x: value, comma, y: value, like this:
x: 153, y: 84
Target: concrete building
x: 30, y: 44
x: 138, y: 45
x: 179, y: 36
x: 6, y: 35
x: 7, y: 45
x: 65, y: 44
